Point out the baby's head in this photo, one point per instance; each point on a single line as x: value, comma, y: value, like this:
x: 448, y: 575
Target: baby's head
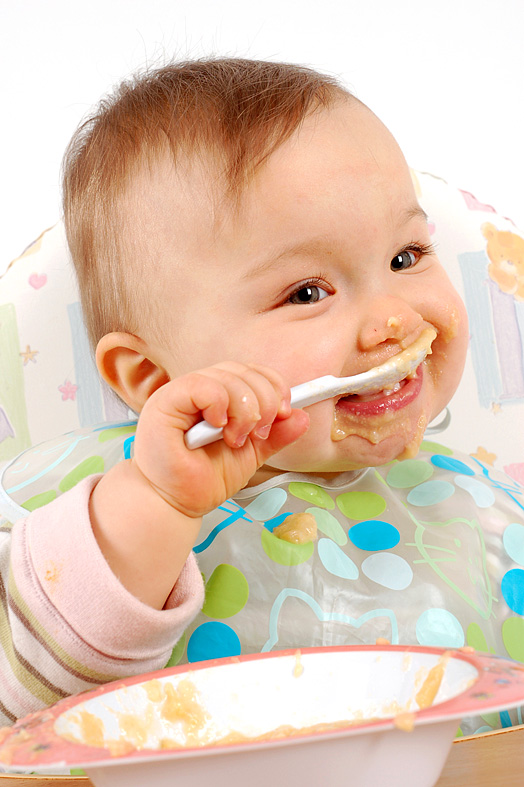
x: 257, y: 212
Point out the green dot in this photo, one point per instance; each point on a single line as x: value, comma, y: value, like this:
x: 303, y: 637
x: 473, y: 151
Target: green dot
x: 283, y: 552
x: 178, y: 651
x: 328, y: 525
x: 227, y: 592
x: 513, y: 637
x: 39, y: 500
x: 493, y: 719
x: 361, y: 505
x: 435, y: 448
x: 409, y: 473
x: 91, y: 465
x: 312, y: 493
x: 117, y: 431
x: 476, y: 639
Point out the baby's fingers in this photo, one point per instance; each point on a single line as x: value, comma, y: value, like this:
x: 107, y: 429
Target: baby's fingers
x: 283, y: 433
x: 243, y: 400
x: 257, y: 397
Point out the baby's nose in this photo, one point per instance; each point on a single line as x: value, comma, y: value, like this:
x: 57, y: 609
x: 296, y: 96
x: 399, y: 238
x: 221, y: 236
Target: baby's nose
x: 389, y: 319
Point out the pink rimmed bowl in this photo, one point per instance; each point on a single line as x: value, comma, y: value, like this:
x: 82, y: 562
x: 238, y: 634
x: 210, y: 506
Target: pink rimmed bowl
x: 344, y: 714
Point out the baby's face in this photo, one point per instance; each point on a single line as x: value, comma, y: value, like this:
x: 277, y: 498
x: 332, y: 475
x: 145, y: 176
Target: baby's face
x: 326, y: 268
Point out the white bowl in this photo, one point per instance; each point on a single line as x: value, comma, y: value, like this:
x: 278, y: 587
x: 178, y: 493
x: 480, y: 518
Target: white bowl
x: 351, y: 715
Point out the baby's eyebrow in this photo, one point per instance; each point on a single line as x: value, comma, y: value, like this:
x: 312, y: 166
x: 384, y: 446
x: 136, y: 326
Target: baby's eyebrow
x: 414, y: 212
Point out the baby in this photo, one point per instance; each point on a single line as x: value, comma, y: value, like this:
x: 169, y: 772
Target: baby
x: 238, y: 228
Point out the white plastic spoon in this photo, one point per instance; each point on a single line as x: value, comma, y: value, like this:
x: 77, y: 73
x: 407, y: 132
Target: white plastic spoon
x: 387, y: 374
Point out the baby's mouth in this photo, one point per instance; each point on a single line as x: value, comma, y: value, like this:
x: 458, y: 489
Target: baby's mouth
x: 400, y: 383
x: 394, y: 397
x: 383, y: 392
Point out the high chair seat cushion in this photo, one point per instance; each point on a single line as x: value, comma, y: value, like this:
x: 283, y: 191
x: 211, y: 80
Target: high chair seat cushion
x: 49, y: 384
x: 48, y: 380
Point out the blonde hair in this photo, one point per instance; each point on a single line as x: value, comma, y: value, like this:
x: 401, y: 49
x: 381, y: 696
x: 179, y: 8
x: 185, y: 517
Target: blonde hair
x: 239, y: 110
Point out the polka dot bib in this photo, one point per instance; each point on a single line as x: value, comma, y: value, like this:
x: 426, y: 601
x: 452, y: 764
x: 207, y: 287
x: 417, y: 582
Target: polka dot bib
x: 426, y: 551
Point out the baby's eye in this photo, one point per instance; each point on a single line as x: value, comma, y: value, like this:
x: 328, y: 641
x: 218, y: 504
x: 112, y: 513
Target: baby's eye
x: 308, y: 293
x: 406, y: 259
x: 410, y: 256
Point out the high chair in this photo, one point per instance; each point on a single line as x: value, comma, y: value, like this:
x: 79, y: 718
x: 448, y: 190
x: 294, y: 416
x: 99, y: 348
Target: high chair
x: 49, y: 385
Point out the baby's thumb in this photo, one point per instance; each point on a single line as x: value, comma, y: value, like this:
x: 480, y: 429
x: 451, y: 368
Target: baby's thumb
x: 282, y: 434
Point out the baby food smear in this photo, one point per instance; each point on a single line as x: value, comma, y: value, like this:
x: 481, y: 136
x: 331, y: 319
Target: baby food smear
x: 175, y: 717
x: 297, y: 529
x: 429, y: 689
x: 404, y: 721
x: 388, y: 419
x: 299, y: 667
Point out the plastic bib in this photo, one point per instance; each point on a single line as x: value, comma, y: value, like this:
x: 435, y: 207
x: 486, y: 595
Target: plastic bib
x: 426, y: 551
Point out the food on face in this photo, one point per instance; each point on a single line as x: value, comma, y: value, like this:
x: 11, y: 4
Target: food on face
x: 297, y: 529
x: 381, y: 414
x: 403, y: 361
x: 411, y: 448
x: 394, y: 322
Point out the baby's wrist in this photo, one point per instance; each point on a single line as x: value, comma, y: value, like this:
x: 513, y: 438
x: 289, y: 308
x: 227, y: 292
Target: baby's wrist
x: 145, y: 541
x: 139, y: 480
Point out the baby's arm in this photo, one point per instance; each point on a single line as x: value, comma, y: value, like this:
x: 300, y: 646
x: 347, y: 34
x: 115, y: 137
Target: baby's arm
x: 146, y: 512
x: 67, y: 623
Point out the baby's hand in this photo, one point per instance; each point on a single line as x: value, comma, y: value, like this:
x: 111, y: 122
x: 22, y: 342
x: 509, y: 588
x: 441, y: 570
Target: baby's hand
x: 251, y: 403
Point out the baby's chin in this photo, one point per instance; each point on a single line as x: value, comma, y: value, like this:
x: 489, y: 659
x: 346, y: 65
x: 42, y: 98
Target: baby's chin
x: 352, y: 453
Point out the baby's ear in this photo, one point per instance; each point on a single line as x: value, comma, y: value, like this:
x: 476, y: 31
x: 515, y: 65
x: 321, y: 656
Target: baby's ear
x: 128, y: 365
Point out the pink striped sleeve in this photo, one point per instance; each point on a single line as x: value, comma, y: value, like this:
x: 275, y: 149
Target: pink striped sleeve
x: 76, y: 598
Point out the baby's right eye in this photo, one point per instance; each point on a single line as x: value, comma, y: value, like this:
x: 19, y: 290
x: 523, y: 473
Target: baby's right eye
x: 307, y: 293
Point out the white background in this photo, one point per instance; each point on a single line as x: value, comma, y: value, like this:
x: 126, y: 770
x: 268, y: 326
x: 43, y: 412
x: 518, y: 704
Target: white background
x: 447, y: 77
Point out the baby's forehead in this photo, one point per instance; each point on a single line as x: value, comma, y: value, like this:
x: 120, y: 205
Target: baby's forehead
x: 187, y: 202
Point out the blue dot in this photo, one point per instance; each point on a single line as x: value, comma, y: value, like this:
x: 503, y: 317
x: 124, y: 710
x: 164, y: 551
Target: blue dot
x: 483, y: 495
x: 482, y: 729
x: 430, y: 492
x: 335, y: 560
x: 513, y: 540
x: 213, y: 640
x: 448, y: 463
x: 389, y: 570
x: 512, y: 587
x: 373, y: 535
x: 439, y: 628
x: 267, y: 504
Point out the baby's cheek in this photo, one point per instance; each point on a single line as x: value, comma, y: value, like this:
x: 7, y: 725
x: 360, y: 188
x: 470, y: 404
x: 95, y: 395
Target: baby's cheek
x: 451, y: 315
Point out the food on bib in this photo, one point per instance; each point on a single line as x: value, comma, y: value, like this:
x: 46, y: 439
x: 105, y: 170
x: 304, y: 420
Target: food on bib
x: 297, y: 529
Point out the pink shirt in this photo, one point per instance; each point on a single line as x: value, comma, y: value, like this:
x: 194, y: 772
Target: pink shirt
x: 68, y: 623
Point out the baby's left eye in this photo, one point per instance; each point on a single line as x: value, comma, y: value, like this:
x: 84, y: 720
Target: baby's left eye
x: 411, y: 255
x: 406, y: 259
x: 308, y: 293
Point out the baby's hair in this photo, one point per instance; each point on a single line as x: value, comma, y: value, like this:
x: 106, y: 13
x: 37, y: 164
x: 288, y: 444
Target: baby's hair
x: 237, y: 110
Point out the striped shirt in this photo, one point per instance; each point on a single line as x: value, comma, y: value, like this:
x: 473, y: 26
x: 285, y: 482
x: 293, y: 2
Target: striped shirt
x: 66, y: 622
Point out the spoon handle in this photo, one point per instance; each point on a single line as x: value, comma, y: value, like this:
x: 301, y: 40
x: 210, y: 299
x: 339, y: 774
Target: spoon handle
x: 321, y: 388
